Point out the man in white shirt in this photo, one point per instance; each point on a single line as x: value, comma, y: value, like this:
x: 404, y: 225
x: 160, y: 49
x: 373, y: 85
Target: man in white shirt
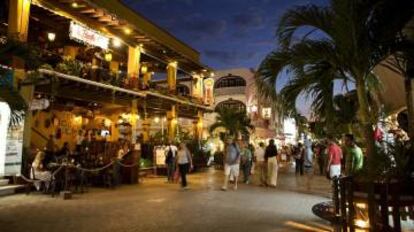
x: 260, y: 163
x: 170, y: 154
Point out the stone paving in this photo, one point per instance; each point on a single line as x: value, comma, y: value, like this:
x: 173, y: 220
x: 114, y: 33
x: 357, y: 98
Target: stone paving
x: 157, y: 206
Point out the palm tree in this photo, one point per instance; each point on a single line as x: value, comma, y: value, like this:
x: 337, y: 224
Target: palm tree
x: 234, y: 122
x: 345, y: 41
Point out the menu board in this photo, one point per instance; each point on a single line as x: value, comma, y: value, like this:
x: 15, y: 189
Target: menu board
x: 14, y: 150
x: 160, y: 156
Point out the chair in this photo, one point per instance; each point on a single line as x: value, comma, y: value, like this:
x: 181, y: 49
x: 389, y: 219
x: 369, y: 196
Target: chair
x: 30, y: 183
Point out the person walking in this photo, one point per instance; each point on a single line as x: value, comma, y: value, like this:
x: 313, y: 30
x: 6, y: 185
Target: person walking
x: 231, y: 163
x: 184, y: 164
x: 334, y: 158
x: 272, y: 165
x: 260, y: 163
x: 246, y: 161
x: 354, y: 156
x: 308, y: 162
x: 170, y: 153
x: 299, y: 156
x: 319, y: 154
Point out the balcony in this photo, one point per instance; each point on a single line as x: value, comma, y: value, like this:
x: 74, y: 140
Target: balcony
x: 229, y: 91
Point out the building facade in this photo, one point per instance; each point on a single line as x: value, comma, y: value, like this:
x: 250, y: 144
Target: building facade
x: 235, y: 89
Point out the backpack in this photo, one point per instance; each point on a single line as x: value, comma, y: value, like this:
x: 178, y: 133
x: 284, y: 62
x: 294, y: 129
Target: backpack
x: 169, y: 157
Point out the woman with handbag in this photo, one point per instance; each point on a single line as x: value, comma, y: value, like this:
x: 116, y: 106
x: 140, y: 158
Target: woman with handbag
x: 184, y: 163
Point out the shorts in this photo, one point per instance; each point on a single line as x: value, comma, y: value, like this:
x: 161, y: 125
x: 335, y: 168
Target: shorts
x: 335, y: 170
x: 232, y: 169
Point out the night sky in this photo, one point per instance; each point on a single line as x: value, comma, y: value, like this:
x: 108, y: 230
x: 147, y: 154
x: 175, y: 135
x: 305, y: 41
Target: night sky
x: 227, y: 33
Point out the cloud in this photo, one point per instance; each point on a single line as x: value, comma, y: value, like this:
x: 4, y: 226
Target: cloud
x: 230, y: 57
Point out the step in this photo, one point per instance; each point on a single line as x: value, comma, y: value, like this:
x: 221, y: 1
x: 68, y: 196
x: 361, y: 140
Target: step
x: 9, y: 189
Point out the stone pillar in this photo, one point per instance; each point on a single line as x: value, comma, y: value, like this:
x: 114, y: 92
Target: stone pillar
x: 172, y: 123
x: 134, y: 57
x: 19, y: 12
x: 172, y: 77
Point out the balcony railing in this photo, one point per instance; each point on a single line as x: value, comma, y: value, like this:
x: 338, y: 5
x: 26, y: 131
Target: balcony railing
x: 229, y: 90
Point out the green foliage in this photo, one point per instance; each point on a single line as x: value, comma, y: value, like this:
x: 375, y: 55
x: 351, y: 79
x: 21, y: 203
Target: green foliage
x: 31, y: 55
x: 392, y: 162
x: 14, y: 48
x: 234, y: 122
x: 70, y: 66
x: 341, y: 41
x: 145, y: 163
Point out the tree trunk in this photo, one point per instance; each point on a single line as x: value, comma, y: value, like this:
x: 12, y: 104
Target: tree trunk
x: 364, y: 117
x: 410, y: 107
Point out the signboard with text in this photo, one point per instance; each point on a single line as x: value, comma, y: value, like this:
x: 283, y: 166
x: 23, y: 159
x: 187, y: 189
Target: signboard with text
x: 87, y: 35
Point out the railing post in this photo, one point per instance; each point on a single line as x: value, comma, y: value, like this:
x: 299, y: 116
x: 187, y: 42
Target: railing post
x: 344, y: 216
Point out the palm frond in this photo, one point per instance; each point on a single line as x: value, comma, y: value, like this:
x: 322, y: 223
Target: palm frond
x: 316, y: 17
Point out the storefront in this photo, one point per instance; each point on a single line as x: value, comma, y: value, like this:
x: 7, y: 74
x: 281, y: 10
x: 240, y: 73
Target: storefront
x: 95, y: 84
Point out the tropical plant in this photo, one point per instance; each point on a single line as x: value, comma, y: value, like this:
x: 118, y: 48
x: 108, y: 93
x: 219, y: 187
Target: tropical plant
x: 70, y: 66
x: 10, y: 50
x: 343, y: 41
x: 234, y: 122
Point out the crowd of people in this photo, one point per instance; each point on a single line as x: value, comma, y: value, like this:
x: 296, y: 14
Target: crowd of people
x: 324, y: 157
x: 332, y: 159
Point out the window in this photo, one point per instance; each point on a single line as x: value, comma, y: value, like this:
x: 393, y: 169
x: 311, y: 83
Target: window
x: 231, y: 104
x: 183, y: 90
x: 230, y: 81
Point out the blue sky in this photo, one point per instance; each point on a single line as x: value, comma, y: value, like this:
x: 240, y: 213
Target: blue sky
x: 228, y: 33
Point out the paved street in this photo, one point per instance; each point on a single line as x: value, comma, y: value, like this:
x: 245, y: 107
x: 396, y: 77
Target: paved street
x: 157, y: 206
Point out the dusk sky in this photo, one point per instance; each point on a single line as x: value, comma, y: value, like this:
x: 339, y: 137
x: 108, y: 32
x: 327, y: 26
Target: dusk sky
x: 227, y: 33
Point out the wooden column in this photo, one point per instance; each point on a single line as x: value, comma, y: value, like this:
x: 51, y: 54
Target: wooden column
x: 19, y: 12
x: 146, y: 127
x: 134, y: 118
x: 172, y: 76
x: 197, y: 86
x: 200, y: 125
x: 18, y: 26
x: 172, y: 123
x: 134, y: 57
x: 147, y: 78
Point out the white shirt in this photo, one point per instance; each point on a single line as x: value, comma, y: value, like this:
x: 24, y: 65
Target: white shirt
x: 173, y: 149
x: 182, y: 157
x: 260, y: 154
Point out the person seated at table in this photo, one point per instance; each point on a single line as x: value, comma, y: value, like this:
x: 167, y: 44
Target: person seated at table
x: 64, y: 152
x: 38, y: 171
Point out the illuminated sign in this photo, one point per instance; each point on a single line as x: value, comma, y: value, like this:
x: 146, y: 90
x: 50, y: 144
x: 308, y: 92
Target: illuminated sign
x: 86, y: 35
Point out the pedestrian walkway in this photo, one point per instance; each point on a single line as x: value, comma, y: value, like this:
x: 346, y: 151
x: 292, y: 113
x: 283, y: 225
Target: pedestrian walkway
x: 157, y: 206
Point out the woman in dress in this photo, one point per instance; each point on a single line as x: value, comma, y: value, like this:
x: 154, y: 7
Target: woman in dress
x: 39, y: 172
x: 184, y: 163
